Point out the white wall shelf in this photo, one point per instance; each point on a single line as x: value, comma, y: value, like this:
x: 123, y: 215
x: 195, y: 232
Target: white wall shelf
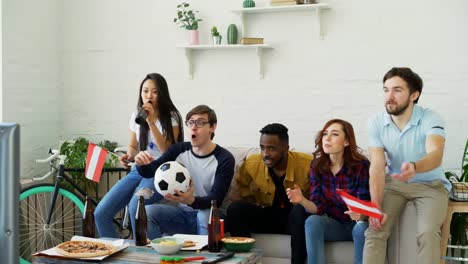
x: 191, y: 48
x: 318, y: 8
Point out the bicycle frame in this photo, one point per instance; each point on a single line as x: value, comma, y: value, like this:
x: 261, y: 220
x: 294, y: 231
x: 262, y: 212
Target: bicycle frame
x: 61, y: 175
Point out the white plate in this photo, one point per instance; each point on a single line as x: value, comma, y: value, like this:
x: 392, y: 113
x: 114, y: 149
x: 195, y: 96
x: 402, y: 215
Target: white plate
x: 118, y: 243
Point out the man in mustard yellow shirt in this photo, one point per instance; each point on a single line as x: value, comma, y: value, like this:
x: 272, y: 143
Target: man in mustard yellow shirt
x: 263, y: 180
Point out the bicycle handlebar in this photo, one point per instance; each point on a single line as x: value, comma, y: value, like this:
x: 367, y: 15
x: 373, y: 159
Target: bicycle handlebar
x: 45, y: 176
x: 54, y: 155
x: 121, y: 150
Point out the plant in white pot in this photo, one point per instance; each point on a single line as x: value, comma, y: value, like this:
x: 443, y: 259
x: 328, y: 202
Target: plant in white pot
x: 216, y: 36
x: 186, y: 19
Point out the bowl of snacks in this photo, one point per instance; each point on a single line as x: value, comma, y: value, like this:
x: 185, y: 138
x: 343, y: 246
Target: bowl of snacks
x: 167, y: 245
x: 238, y: 244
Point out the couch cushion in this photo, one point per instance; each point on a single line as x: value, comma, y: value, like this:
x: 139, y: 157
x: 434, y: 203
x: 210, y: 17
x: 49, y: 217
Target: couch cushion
x: 240, y: 155
x: 277, y: 247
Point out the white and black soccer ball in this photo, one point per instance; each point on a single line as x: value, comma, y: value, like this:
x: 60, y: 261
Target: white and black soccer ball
x: 171, y: 176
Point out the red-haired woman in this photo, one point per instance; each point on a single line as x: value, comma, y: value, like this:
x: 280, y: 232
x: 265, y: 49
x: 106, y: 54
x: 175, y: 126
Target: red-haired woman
x: 338, y: 164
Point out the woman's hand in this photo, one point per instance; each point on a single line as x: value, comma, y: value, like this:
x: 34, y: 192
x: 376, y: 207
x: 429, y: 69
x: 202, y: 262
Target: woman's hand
x: 295, y: 195
x: 143, y: 158
x: 153, y: 114
x: 124, y: 160
x: 353, y: 215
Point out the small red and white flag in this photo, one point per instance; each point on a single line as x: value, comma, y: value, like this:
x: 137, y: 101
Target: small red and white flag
x: 95, y: 162
x: 360, y: 206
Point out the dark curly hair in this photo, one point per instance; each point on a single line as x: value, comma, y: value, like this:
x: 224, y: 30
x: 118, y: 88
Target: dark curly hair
x: 276, y: 129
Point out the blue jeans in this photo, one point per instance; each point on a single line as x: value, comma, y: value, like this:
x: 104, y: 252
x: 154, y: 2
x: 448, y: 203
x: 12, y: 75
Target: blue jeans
x: 170, y: 219
x: 121, y: 194
x: 321, y: 228
x: 359, y: 239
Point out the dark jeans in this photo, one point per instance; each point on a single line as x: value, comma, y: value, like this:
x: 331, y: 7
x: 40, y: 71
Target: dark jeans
x: 244, y: 218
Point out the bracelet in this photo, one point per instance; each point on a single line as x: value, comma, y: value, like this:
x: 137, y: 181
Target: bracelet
x: 414, y: 164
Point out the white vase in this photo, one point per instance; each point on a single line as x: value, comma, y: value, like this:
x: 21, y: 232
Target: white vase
x: 193, y: 37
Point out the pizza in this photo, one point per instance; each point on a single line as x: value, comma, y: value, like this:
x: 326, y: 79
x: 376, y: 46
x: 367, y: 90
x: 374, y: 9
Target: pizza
x: 84, y: 249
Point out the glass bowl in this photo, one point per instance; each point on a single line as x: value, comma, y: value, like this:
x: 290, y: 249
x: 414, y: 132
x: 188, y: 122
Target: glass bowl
x: 167, y: 245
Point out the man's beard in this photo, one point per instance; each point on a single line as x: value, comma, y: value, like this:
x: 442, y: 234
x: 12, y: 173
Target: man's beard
x: 398, y: 110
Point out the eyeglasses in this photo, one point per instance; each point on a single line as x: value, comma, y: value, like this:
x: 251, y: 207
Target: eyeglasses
x: 198, y: 123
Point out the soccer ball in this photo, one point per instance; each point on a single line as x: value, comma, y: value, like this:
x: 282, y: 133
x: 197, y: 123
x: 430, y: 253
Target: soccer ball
x: 171, y: 176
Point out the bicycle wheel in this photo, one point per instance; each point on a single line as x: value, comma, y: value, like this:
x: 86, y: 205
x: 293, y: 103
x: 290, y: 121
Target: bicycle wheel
x: 35, y: 234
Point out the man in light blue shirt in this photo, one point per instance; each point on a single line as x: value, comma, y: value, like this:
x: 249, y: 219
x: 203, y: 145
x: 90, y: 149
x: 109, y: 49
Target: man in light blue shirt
x: 413, y: 140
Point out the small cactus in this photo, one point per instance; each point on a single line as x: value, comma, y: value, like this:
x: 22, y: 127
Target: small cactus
x: 248, y: 4
x: 232, y: 34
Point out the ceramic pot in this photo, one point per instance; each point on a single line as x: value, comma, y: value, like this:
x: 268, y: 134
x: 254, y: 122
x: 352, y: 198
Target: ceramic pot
x: 194, y: 37
x: 217, y: 40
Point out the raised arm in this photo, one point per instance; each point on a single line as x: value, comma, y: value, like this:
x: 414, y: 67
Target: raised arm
x: 162, y: 142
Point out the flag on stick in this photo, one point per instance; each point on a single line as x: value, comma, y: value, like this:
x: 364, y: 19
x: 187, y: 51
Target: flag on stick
x: 360, y: 206
x: 95, y: 162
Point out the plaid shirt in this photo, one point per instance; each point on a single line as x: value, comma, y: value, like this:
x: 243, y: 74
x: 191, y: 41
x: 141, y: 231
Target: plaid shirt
x: 323, y: 190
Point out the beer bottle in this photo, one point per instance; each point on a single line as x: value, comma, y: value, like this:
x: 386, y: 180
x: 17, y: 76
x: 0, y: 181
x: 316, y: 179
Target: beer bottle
x: 214, y: 230
x: 141, y: 223
x: 89, y: 229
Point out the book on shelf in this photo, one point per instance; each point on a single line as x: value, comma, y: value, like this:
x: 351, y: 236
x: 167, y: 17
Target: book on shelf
x: 251, y: 41
x: 283, y: 3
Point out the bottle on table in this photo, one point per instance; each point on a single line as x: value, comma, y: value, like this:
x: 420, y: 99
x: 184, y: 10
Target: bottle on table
x: 141, y: 223
x: 214, y: 229
x: 89, y: 227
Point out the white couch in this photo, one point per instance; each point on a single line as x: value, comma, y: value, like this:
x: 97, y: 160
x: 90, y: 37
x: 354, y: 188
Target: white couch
x: 276, y: 248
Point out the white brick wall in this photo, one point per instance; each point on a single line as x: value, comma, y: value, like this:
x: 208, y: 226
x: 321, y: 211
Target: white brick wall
x: 31, y: 76
x: 105, y: 48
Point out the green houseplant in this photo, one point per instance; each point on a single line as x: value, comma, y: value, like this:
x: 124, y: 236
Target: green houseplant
x: 216, y: 36
x: 186, y: 19
x: 76, y: 152
x: 459, y: 220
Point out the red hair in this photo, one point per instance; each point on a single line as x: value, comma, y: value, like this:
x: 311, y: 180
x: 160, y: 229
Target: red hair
x: 352, y: 155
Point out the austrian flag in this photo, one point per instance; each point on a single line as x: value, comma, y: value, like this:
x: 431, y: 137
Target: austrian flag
x: 95, y: 162
x: 360, y: 206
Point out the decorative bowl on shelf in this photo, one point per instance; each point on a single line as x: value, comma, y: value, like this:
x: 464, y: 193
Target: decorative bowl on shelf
x: 167, y: 245
x: 238, y: 244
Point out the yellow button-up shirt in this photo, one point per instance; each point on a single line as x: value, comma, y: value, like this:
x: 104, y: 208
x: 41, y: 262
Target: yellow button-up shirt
x: 254, y: 179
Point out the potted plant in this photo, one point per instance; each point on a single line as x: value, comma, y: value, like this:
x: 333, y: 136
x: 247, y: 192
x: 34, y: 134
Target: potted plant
x: 76, y: 152
x: 459, y: 222
x: 186, y: 19
x: 216, y: 36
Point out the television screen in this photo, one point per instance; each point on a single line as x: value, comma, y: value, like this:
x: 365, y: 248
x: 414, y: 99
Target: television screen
x: 9, y: 192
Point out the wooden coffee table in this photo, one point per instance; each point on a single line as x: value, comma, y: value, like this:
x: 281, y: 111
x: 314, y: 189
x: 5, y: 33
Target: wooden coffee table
x: 147, y: 255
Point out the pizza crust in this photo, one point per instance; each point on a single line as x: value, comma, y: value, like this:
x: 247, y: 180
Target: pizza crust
x: 189, y: 243
x: 84, y: 249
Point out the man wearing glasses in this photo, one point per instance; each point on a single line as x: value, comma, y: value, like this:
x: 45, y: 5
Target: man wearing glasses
x: 211, y: 168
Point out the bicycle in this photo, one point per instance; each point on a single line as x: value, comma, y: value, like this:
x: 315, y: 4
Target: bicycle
x: 51, y: 214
